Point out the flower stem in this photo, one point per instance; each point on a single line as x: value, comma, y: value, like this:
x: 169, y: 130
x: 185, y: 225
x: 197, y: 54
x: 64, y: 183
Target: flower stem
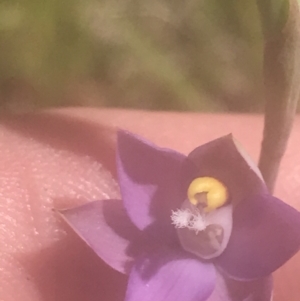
x: 281, y: 82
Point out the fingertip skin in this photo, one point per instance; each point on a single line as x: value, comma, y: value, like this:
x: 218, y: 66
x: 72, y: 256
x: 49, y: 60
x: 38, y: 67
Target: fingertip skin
x: 64, y: 158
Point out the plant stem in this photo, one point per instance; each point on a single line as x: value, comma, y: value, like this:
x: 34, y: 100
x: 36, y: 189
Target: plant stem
x: 281, y: 88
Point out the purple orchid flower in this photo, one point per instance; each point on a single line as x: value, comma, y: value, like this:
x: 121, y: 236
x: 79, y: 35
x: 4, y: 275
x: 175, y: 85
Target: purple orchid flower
x: 193, y: 228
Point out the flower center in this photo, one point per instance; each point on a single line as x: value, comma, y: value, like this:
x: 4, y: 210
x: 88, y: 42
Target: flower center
x: 204, y: 221
x: 207, y: 192
x: 185, y: 218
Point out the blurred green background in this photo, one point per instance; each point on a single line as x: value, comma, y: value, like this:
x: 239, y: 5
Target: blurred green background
x: 200, y: 55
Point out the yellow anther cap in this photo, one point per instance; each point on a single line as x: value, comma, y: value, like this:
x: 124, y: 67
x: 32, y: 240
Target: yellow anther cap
x: 216, y: 192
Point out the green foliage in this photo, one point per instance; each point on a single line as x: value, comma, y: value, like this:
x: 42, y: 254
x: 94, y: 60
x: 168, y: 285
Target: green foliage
x: 274, y: 14
x: 160, y: 54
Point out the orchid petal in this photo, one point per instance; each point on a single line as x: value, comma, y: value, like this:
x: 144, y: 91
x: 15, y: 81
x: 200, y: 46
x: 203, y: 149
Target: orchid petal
x: 265, y: 235
x: 149, y: 178
x: 231, y: 290
x: 106, y: 228
x: 170, y: 276
x: 225, y: 160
